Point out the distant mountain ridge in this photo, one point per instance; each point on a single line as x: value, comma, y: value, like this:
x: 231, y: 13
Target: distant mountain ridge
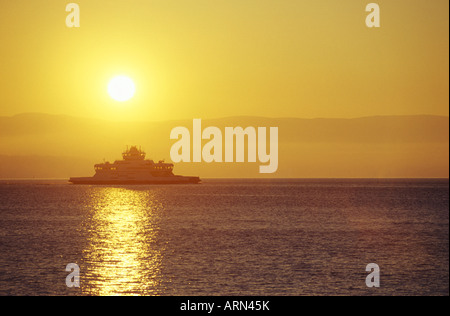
x: 389, y: 128
x: 378, y: 146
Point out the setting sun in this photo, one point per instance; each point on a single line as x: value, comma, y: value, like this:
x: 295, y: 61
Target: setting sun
x: 121, y: 88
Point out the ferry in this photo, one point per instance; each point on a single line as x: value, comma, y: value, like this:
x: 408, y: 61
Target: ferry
x: 135, y: 169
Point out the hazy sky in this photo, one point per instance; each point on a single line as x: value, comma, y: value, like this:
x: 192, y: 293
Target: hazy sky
x: 214, y: 58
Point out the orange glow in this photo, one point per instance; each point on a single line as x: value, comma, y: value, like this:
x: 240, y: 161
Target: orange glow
x: 213, y: 59
x: 216, y: 59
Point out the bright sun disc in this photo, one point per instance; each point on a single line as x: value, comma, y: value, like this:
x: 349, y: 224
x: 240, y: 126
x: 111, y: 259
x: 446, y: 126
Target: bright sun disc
x: 121, y: 88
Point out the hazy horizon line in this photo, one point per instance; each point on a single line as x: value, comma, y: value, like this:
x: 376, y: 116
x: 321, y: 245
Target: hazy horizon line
x: 228, y: 117
x: 262, y: 178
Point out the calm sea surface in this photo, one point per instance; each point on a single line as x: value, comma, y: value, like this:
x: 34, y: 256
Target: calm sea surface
x: 285, y: 237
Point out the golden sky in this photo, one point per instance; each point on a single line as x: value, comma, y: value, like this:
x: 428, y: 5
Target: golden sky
x: 205, y: 58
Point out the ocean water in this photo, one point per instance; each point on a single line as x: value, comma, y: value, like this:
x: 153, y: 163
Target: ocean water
x: 226, y: 237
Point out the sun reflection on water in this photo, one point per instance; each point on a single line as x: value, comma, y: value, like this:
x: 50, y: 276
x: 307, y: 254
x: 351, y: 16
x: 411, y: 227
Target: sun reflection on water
x: 122, y: 256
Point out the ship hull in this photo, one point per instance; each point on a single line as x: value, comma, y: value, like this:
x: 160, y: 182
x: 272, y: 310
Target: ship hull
x: 155, y: 180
